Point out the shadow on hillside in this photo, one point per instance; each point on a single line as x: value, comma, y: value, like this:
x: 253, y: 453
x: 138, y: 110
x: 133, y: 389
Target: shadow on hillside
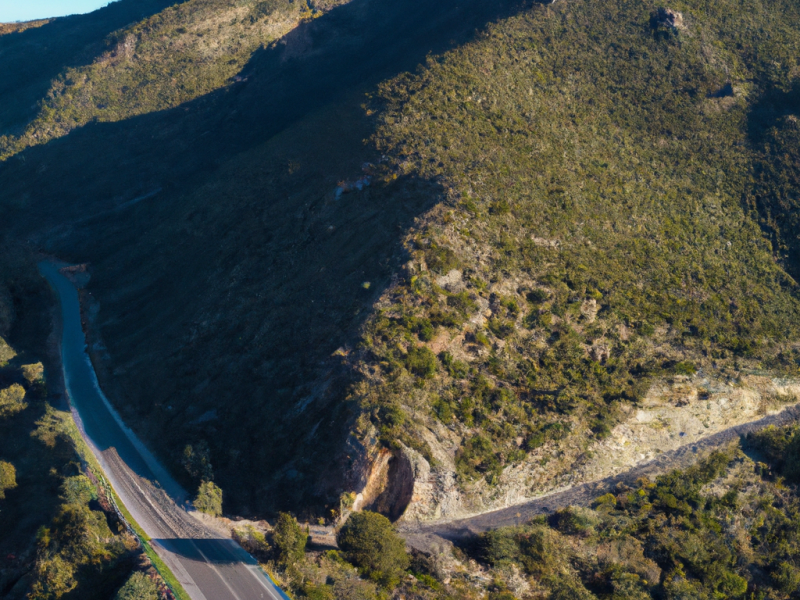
x: 223, y: 297
x: 774, y: 132
x: 31, y: 59
x: 353, y: 46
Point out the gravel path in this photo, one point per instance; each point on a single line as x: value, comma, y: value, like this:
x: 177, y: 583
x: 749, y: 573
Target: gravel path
x: 429, y: 537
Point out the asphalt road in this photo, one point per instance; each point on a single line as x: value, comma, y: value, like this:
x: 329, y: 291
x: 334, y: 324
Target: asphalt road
x: 209, y: 564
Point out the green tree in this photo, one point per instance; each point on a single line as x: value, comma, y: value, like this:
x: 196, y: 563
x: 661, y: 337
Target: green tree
x: 138, y: 587
x: 8, y: 478
x: 12, y: 400
x: 290, y: 540
x: 209, y: 499
x: 34, y: 375
x: 371, y: 543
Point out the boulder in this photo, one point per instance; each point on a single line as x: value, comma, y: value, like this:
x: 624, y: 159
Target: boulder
x: 666, y: 18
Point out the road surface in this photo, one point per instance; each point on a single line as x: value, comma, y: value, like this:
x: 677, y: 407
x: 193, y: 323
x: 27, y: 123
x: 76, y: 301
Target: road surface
x: 209, y: 565
x: 430, y: 536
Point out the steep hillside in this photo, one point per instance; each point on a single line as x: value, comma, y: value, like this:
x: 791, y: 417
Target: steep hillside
x: 324, y: 269
x: 264, y: 271
x: 608, y: 178
x: 175, y: 55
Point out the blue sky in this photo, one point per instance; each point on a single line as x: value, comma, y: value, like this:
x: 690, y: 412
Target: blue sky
x: 27, y: 10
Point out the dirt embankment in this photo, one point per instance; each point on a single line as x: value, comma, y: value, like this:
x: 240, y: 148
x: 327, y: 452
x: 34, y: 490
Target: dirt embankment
x: 432, y: 537
x: 677, y: 416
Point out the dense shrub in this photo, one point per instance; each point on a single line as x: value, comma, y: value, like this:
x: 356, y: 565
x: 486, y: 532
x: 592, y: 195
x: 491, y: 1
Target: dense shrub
x: 370, y: 542
x: 138, y: 587
x: 8, y: 478
x: 209, y: 499
x: 12, y: 400
x: 290, y: 539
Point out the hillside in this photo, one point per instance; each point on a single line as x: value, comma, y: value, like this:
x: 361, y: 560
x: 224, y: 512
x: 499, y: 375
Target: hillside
x: 566, y: 206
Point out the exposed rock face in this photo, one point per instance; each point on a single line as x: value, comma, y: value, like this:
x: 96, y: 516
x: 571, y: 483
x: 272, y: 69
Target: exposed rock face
x: 669, y: 19
x: 675, y: 412
x: 393, y: 481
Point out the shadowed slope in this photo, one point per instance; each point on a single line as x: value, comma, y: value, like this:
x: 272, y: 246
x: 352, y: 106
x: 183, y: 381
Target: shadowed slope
x: 30, y: 59
x: 223, y: 296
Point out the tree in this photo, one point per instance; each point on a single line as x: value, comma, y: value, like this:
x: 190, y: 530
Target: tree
x: 12, y: 400
x: 34, y: 375
x: 290, y: 540
x: 209, y: 499
x: 8, y: 478
x: 138, y: 587
x: 370, y: 542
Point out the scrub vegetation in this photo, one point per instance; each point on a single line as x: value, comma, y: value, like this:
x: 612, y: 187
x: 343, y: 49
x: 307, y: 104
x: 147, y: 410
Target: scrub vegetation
x: 176, y: 55
x: 723, y: 528
x: 618, y: 207
x: 499, y: 249
x: 720, y: 529
x: 564, y: 203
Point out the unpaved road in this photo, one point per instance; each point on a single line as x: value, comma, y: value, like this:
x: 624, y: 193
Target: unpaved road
x: 430, y: 536
x: 209, y: 565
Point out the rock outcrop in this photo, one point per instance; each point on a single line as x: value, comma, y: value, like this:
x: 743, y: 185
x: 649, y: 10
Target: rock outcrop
x: 667, y: 18
x: 675, y: 412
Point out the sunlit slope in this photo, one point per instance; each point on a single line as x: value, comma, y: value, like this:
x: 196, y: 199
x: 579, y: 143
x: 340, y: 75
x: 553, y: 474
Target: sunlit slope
x: 613, y: 184
x: 177, y: 54
x: 561, y: 209
x: 34, y: 56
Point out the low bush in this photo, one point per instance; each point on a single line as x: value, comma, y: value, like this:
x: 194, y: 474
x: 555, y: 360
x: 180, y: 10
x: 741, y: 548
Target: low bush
x: 370, y: 542
x: 209, y: 499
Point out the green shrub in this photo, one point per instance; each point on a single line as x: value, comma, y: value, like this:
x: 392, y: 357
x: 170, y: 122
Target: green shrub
x: 78, y: 490
x: 8, y: 478
x: 318, y: 592
x: 209, y: 499
x: 685, y: 368
x: 290, y: 540
x: 479, y: 457
x: 781, y: 446
x: 138, y: 587
x: 370, y: 542
x: 421, y: 362
x: 34, y: 376
x: 12, y: 400
x: 574, y: 520
x: 786, y: 577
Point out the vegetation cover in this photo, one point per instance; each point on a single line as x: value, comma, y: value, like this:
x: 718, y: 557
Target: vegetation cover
x: 722, y: 528
x: 617, y: 208
x: 369, y: 541
x: 59, y: 534
x: 564, y: 203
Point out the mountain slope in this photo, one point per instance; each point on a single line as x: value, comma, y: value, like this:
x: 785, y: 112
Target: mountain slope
x: 263, y: 279
x: 563, y: 208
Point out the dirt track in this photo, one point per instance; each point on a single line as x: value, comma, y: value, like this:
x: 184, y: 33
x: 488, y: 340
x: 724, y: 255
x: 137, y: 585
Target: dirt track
x: 429, y: 537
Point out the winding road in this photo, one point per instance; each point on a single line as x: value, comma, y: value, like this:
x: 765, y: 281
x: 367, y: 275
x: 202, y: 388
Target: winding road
x: 208, y: 564
x: 433, y: 536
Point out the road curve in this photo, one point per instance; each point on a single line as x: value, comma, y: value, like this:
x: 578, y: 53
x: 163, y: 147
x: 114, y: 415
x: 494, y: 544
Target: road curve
x: 208, y: 564
x: 429, y: 537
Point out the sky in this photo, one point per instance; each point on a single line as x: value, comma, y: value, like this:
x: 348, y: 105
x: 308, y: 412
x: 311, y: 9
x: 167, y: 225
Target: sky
x: 27, y: 10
